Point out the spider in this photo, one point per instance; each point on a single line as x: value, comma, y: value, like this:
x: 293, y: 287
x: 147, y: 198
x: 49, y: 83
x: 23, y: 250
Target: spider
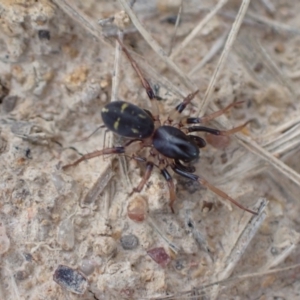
x: 170, y: 143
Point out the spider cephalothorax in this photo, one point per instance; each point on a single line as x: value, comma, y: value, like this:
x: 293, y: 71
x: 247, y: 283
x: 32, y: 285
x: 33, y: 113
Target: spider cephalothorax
x: 170, y: 144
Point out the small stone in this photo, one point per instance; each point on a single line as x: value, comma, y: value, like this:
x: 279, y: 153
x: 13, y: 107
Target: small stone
x: 87, y: 267
x: 9, y: 103
x: 77, y: 78
x: 258, y: 67
x: 160, y: 256
x: 168, y: 5
x: 129, y: 242
x: 279, y: 48
x: 70, y: 279
x: 137, y: 209
x: 121, y: 19
x: 66, y: 235
x: 180, y: 264
x: 44, y: 34
x: 21, y: 275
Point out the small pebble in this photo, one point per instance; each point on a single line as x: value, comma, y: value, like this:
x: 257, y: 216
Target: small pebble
x: 279, y: 48
x: 160, y: 256
x: 137, y: 209
x: 66, y: 234
x: 70, y: 279
x: 44, y: 34
x: 129, y: 242
x: 9, y: 103
x: 87, y: 267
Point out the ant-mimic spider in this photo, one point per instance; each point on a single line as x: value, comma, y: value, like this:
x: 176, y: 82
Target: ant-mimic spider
x: 170, y: 143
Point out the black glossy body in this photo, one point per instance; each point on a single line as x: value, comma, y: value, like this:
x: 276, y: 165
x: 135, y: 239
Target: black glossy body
x: 173, y: 143
x: 127, y: 120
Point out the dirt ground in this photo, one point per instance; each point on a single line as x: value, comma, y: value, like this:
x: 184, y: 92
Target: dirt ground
x: 70, y: 234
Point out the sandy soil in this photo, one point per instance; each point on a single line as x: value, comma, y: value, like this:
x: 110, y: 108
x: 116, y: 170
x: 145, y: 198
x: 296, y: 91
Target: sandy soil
x: 60, y: 64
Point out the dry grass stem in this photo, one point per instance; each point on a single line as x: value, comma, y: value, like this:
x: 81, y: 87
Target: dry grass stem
x: 153, y: 224
x: 217, y: 46
x: 83, y: 20
x: 99, y: 185
x: 175, y: 28
x: 238, y: 249
x: 284, y: 139
x: 197, y: 29
x: 269, y: 6
x: 274, y: 69
x: 285, y: 127
x: 273, y: 24
x: 155, y: 46
x: 280, y: 258
x: 116, y: 72
x: 252, y: 146
x: 227, y: 48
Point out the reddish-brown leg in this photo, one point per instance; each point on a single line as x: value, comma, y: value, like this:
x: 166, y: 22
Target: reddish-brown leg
x: 224, y: 195
x: 149, y: 168
x: 171, y: 187
x: 165, y: 174
x: 129, y: 148
x: 189, y: 120
x: 144, y: 81
x: 175, y: 113
x: 214, y: 189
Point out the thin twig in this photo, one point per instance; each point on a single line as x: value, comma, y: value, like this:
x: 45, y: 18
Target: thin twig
x: 116, y: 73
x: 252, y: 146
x: 231, y: 38
x: 269, y: 6
x: 269, y: 62
x: 155, y: 46
x: 242, y: 242
x: 198, y: 28
x: 273, y: 24
x: 279, y: 129
x: 217, y: 46
x: 228, y: 280
x: 172, y: 246
x: 84, y: 21
x: 175, y: 28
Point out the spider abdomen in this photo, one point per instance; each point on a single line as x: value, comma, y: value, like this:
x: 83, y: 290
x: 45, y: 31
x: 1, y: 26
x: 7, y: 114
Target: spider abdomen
x: 173, y: 143
x: 127, y: 120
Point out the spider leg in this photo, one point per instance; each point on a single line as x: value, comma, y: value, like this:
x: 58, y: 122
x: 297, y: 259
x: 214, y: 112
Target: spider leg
x: 131, y: 147
x: 179, y: 165
x: 211, y: 187
x: 175, y: 113
x: 198, y: 140
x: 171, y: 187
x: 216, y: 131
x: 147, y: 174
x: 205, y: 119
x: 144, y: 81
